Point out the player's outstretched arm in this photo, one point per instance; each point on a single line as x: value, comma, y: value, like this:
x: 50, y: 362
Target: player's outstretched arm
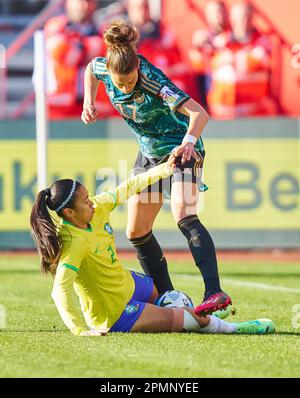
x: 135, y: 185
x: 91, y: 84
x: 138, y: 183
x: 198, y: 120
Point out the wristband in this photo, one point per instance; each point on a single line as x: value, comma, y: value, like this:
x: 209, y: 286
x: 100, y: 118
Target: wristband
x: 190, y: 138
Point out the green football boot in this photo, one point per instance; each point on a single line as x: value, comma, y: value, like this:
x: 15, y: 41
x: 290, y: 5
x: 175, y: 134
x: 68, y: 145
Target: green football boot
x: 259, y: 326
x: 223, y: 314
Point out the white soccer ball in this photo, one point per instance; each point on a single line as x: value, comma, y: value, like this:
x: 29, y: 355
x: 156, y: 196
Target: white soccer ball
x: 174, y: 298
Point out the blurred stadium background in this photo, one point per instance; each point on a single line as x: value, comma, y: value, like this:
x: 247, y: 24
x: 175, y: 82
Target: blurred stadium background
x: 252, y: 165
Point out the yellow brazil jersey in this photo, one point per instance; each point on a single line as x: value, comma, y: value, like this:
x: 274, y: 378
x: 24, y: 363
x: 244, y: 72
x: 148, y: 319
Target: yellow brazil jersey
x: 89, y: 264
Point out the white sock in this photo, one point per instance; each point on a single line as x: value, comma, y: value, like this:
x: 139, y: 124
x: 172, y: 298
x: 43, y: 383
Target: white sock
x: 189, y: 323
x: 217, y: 325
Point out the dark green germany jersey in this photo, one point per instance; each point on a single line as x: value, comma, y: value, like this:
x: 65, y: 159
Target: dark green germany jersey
x: 150, y: 109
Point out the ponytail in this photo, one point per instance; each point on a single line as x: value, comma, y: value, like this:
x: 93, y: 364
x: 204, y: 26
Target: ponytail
x: 61, y: 195
x: 44, y: 233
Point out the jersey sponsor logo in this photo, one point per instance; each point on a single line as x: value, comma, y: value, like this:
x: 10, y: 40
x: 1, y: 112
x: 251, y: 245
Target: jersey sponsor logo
x: 168, y: 95
x: 108, y: 229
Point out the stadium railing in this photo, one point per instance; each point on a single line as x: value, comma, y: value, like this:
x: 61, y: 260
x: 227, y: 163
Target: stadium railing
x: 22, y: 39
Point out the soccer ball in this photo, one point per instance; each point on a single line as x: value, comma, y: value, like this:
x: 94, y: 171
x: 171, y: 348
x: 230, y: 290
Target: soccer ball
x: 174, y: 298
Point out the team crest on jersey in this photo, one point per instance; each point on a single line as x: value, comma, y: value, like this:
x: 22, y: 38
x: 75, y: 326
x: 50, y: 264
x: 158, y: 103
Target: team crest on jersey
x: 139, y: 97
x: 108, y: 229
x: 168, y: 95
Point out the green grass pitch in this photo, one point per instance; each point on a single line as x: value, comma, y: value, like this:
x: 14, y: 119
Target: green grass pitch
x: 35, y: 342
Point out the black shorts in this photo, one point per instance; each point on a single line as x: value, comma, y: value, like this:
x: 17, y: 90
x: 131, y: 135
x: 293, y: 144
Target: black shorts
x: 191, y: 171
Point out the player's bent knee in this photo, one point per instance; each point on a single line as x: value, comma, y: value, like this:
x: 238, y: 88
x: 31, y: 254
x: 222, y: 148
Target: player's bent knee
x: 181, y: 213
x: 138, y: 233
x: 183, y: 210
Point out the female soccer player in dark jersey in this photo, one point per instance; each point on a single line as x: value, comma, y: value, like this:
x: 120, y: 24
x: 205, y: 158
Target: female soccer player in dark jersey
x: 163, y: 119
x: 79, y: 251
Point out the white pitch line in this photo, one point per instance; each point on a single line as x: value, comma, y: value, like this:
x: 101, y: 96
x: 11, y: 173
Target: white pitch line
x: 261, y: 286
x: 251, y: 285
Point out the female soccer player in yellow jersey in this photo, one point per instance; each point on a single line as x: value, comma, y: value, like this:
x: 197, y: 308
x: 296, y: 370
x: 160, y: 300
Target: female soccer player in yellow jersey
x: 80, y: 252
x: 162, y: 117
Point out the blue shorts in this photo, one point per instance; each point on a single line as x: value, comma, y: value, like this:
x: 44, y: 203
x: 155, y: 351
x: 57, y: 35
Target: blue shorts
x: 134, y: 308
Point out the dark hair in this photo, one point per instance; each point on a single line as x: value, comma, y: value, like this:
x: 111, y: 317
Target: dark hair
x: 44, y: 226
x: 121, y: 40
